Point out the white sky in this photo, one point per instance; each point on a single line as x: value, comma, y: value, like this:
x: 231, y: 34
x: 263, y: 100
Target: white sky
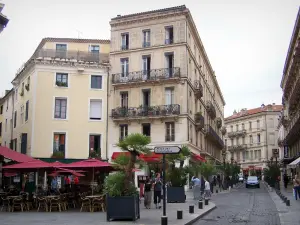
x: 246, y: 40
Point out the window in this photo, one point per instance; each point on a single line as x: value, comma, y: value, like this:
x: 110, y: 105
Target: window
x: 95, y: 109
x: 225, y: 142
x: 243, y: 140
x: 243, y: 126
x: 169, y: 96
x: 96, y: 82
x: 258, y: 124
x: 0, y: 129
x: 146, y: 129
x: 61, y: 51
x: 123, y: 131
x: 124, y: 99
x: 251, y: 139
x: 16, y: 95
x: 1, y: 109
x: 146, y: 98
x: 124, y: 67
x: 22, y: 114
x: 27, y: 110
x: 61, y: 79
x: 15, y: 119
x: 169, y: 60
x: 237, y: 141
x: 146, y: 67
x: 94, y: 48
x: 59, y: 142
x: 95, y: 143
x: 146, y: 38
x: 7, y: 103
x: 258, y: 138
x: 27, y: 86
x: 231, y: 128
x: 237, y: 127
x: 60, y: 111
x: 170, y: 131
x: 250, y: 125
x: 169, y: 35
x: 125, y: 41
x: 5, y: 125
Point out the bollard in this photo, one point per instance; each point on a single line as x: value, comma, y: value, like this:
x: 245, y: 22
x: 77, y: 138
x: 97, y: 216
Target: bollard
x: 164, y: 220
x: 200, y: 205
x: 288, y: 203
x: 191, y: 209
x: 206, y: 202
x: 217, y: 191
x: 179, y: 214
x: 284, y: 199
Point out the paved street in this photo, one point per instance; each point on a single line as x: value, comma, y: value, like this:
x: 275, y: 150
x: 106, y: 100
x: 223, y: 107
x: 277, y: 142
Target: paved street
x: 243, y: 207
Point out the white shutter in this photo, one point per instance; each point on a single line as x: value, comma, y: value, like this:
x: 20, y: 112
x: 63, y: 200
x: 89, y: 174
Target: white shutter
x: 96, y: 109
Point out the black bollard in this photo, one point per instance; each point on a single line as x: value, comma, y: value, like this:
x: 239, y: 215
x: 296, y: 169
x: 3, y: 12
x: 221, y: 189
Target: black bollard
x: 206, y: 202
x: 164, y: 220
x: 179, y: 214
x: 217, y: 191
x: 200, y: 205
x: 288, y: 203
x: 191, y: 209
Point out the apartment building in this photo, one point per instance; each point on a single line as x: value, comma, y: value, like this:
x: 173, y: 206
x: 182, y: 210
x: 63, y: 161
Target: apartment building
x: 6, y: 105
x: 290, y: 118
x: 162, y: 83
x: 59, y: 100
x: 3, y: 18
x: 251, y: 138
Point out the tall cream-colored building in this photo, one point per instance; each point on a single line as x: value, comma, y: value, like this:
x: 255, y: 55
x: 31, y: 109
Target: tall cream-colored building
x: 251, y: 138
x: 59, y: 100
x: 162, y: 83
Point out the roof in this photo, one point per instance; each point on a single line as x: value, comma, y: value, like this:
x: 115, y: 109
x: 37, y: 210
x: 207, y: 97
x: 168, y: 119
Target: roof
x: 175, y: 8
x: 14, y: 156
x: 291, y: 46
x: 243, y: 113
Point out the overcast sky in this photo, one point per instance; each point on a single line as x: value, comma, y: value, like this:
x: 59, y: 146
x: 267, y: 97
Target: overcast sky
x: 246, y: 40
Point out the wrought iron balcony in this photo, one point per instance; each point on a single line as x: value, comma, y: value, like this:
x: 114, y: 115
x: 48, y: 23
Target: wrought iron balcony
x: 168, y: 41
x: 239, y: 133
x: 283, y: 120
x: 219, y: 122
x: 146, y: 75
x: 212, y: 135
x: 145, y: 111
x: 211, y: 110
x: 237, y: 147
x: 223, y: 130
x: 80, y: 56
x: 199, y: 120
x: 146, y: 44
x: 292, y: 133
x: 198, y: 89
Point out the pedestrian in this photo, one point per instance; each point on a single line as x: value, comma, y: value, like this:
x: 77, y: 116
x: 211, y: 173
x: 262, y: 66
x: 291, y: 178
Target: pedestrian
x: 147, y: 193
x: 157, y: 191
x: 196, y: 187
x: 285, y: 180
x: 54, y: 185
x: 207, y: 192
x: 296, y: 190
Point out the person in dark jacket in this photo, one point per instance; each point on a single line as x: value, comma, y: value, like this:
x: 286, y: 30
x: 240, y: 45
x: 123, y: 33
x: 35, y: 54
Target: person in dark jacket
x: 285, y: 180
x: 157, y: 190
x: 147, y: 193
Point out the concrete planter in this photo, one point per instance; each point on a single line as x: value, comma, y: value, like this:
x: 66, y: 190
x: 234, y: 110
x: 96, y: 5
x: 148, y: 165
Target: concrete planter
x: 176, y: 194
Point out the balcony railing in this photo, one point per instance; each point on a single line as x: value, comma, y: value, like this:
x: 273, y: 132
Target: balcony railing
x: 199, y: 120
x: 293, y: 126
x: 168, y: 41
x: 239, y: 133
x: 219, y: 122
x: 146, y: 75
x: 198, y: 89
x: 170, y: 137
x: 146, y: 111
x: 211, y: 110
x: 223, y: 130
x: 237, y: 147
x: 146, y: 44
x: 212, y: 134
x: 80, y: 56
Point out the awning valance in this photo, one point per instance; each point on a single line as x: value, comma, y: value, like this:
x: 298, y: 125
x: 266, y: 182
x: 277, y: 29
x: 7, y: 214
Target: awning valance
x: 198, y: 157
x: 294, y: 164
x: 151, y: 157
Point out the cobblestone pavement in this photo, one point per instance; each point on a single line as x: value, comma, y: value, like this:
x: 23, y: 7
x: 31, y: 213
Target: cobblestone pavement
x: 243, y: 207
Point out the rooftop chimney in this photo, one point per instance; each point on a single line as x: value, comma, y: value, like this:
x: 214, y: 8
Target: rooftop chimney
x: 234, y: 112
x: 273, y: 103
x: 118, y: 15
x: 262, y: 106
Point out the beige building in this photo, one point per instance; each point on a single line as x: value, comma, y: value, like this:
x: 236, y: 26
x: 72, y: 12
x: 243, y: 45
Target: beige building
x: 162, y: 83
x: 3, y: 18
x: 59, y: 100
x: 251, y: 137
x: 6, y: 110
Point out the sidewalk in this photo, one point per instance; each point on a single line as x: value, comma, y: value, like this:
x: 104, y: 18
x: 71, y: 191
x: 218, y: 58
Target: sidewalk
x: 148, y: 216
x: 289, y: 215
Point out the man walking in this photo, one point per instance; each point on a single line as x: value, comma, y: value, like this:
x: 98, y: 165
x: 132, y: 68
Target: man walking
x: 157, y: 191
x: 196, y: 187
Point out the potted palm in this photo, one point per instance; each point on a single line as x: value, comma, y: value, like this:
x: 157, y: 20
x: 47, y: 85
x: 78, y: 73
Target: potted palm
x: 58, y: 155
x: 177, y: 176
x: 122, y: 199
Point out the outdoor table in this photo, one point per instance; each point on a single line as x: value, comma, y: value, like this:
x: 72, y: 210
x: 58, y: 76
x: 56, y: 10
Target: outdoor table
x: 94, y: 196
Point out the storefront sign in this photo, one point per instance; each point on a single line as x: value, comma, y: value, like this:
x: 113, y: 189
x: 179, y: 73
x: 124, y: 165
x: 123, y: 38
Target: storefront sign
x: 167, y: 150
x: 285, y: 151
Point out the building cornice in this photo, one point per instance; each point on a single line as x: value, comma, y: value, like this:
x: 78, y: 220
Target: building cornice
x: 247, y: 117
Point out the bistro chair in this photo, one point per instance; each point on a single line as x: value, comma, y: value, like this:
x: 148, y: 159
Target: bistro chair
x: 42, y: 203
x: 5, y: 203
x: 71, y: 200
x: 55, y: 203
x: 64, y: 201
x: 18, y: 203
x: 98, y: 204
x: 85, y: 204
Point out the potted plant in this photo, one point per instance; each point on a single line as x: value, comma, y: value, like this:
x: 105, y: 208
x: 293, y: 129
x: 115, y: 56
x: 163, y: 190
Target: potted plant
x: 58, y: 155
x: 122, y: 201
x: 95, y: 154
x: 150, y: 110
x: 177, y: 176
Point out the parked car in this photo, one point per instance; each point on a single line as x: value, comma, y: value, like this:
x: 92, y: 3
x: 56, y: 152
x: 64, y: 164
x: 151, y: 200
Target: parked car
x: 252, y: 181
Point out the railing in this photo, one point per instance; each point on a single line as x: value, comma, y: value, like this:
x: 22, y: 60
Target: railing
x: 72, y: 55
x: 168, y: 41
x: 292, y: 122
x: 236, y: 147
x: 124, y: 47
x: 237, y: 133
x: 199, y: 120
x: 211, y: 110
x: 198, y: 89
x: 146, y: 75
x: 211, y: 133
x: 146, y: 111
x: 146, y: 44
x: 219, y: 122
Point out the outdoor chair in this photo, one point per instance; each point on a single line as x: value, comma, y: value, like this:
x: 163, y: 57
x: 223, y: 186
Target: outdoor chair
x: 71, y: 200
x: 5, y: 203
x: 98, y: 203
x: 42, y: 203
x: 18, y: 203
x: 64, y: 201
x: 55, y: 203
x: 85, y: 204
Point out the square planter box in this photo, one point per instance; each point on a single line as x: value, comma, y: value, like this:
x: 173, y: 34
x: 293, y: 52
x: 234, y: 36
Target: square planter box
x: 176, y: 194
x: 122, y: 208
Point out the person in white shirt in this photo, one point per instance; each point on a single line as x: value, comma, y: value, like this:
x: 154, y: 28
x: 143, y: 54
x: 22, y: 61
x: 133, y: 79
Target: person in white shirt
x: 207, y: 192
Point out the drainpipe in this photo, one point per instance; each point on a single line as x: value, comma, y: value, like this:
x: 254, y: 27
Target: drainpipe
x: 12, y: 116
x: 107, y: 116
x: 266, y: 136
x: 187, y: 86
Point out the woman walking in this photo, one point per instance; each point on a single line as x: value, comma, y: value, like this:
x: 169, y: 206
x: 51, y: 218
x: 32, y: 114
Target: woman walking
x: 207, y: 193
x: 296, y: 183
x: 147, y: 193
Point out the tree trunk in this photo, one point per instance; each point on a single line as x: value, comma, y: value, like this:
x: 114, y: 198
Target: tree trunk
x: 128, y: 171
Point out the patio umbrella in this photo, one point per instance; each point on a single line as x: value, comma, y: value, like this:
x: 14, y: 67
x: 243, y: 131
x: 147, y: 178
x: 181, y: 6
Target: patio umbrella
x: 57, y: 172
x: 36, y: 164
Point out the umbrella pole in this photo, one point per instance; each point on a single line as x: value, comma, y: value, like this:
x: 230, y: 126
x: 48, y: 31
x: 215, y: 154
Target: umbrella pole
x: 93, y: 181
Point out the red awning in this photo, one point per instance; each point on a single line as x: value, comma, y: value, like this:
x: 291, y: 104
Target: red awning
x: 151, y: 157
x: 198, y: 157
x: 8, y: 174
x: 36, y: 164
x: 59, y: 164
x: 116, y: 154
x: 91, y: 163
x: 14, y: 156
